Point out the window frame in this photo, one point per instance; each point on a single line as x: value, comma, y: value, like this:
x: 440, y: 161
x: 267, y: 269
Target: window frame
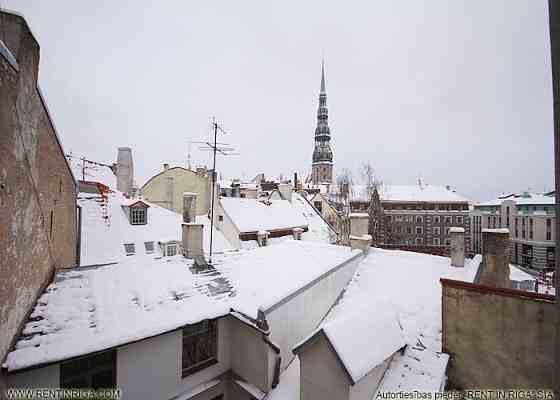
x: 126, y: 250
x: 138, y: 219
x: 89, y: 371
x: 199, y: 365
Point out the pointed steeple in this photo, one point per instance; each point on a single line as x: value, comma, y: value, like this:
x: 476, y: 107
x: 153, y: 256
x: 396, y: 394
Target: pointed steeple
x: 323, y: 90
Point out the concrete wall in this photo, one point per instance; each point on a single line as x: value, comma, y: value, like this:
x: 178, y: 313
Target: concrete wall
x: 250, y: 355
x: 226, y: 226
x: 151, y: 369
x: 293, y: 320
x: 366, y: 387
x: 497, y: 338
x: 37, y: 192
x: 166, y: 189
x: 321, y: 376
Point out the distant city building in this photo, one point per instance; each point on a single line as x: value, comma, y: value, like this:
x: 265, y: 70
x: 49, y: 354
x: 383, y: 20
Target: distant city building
x: 530, y: 219
x: 322, y: 154
x: 167, y: 187
x: 412, y: 215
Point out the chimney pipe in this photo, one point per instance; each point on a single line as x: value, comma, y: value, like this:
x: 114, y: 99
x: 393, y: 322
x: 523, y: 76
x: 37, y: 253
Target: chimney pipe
x: 297, y: 233
x: 494, y: 269
x: 359, y: 224
x: 457, y: 251
x: 262, y: 238
x: 189, y: 207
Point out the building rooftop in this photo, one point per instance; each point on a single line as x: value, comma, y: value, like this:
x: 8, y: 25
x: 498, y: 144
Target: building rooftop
x: 408, y: 193
x: 522, y: 199
x: 86, y: 310
x: 251, y: 215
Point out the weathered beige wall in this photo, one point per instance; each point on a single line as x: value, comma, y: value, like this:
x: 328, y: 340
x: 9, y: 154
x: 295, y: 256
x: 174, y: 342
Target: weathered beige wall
x: 166, y: 189
x: 38, y: 229
x: 498, y: 340
x: 321, y: 375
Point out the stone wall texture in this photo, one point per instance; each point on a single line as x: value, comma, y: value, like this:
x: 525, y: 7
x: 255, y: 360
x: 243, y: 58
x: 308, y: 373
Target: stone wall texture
x: 497, y: 338
x: 38, y: 223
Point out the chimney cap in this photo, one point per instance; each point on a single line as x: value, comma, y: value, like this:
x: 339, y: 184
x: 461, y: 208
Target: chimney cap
x: 165, y: 166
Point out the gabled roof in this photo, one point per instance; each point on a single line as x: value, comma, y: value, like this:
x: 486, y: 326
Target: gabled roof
x: 92, y: 309
x: 361, y: 340
x: 522, y: 199
x: 186, y: 170
x: 251, y: 215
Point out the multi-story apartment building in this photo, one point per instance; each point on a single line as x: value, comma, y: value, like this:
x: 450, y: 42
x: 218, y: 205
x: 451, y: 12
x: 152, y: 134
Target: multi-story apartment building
x: 412, y: 215
x: 530, y: 219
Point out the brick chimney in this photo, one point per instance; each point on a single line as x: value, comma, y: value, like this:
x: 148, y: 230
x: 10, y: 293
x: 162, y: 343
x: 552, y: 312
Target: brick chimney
x: 193, y: 233
x: 457, y: 249
x: 189, y: 207
x: 494, y: 269
x: 359, y: 237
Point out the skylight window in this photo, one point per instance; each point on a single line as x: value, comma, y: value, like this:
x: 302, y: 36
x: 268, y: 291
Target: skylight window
x: 149, y: 246
x: 129, y: 249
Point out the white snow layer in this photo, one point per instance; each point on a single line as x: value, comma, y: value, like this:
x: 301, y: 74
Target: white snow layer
x: 106, y: 228
x: 431, y: 193
x: 251, y: 215
x: 92, y: 309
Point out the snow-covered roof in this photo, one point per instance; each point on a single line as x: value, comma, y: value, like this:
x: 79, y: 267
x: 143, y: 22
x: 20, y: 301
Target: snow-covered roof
x: 251, y: 215
x: 92, y: 309
x: 90, y: 172
x: 517, y: 274
x: 412, y: 193
x: 361, y: 340
x: 106, y: 228
x: 526, y: 199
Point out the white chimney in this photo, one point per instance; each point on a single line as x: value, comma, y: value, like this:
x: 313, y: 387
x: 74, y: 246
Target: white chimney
x: 359, y: 224
x: 124, y: 170
x: 457, y: 249
x: 262, y: 238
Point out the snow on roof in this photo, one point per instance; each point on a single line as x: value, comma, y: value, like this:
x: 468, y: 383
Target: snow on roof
x: 251, y: 215
x: 90, y: 172
x: 106, y: 228
x: 504, y: 231
x: 319, y: 230
x: 362, y: 340
x: 92, y: 309
x: 413, y: 193
x: 288, y: 387
x: 407, y: 284
x: 456, y: 229
x: 516, y: 274
x: 523, y: 199
x: 416, y: 369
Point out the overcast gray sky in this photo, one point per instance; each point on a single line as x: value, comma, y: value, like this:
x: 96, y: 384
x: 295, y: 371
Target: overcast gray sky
x: 458, y: 91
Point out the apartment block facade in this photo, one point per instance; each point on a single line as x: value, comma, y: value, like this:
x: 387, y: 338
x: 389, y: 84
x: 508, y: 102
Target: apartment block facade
x: 530, y: 219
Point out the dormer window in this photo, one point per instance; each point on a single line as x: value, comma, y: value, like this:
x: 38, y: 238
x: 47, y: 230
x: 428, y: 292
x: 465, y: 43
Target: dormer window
x: 138, y: 216
x: 136, y: 211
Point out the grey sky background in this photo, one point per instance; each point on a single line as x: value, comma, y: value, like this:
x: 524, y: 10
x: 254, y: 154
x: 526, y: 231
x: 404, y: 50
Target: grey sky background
x: 458, y: 91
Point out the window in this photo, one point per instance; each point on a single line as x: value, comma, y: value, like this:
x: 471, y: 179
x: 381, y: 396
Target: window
x: 95, y: 372
x: 447, y: 242
x: 171, y: 250
x: 51, y: 229
x: 149, y: 247
x: 459, y: 219
x: 418, y: 219
x: 318, y: 205
x: 436, y: 230
x: 418, y: 230
x: 200, y: 346
x: 516, y: 231
x: 138, y: 216
x: 221, y: 218
x: 408, y: 230
x: 448, y: 220
x: 530, y: 228
x: 129, y: 249
x: 436, y: 219
x: 548, y: 229
x: 418, y: 241
x: 436, y: 241
x: 507, y: 217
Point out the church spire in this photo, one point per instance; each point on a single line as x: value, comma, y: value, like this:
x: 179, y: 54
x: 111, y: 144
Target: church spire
x: 322, y: 153
x: 323, y: 90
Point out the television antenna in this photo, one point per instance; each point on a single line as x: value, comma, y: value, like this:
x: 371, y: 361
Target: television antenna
x: 216, y: 148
